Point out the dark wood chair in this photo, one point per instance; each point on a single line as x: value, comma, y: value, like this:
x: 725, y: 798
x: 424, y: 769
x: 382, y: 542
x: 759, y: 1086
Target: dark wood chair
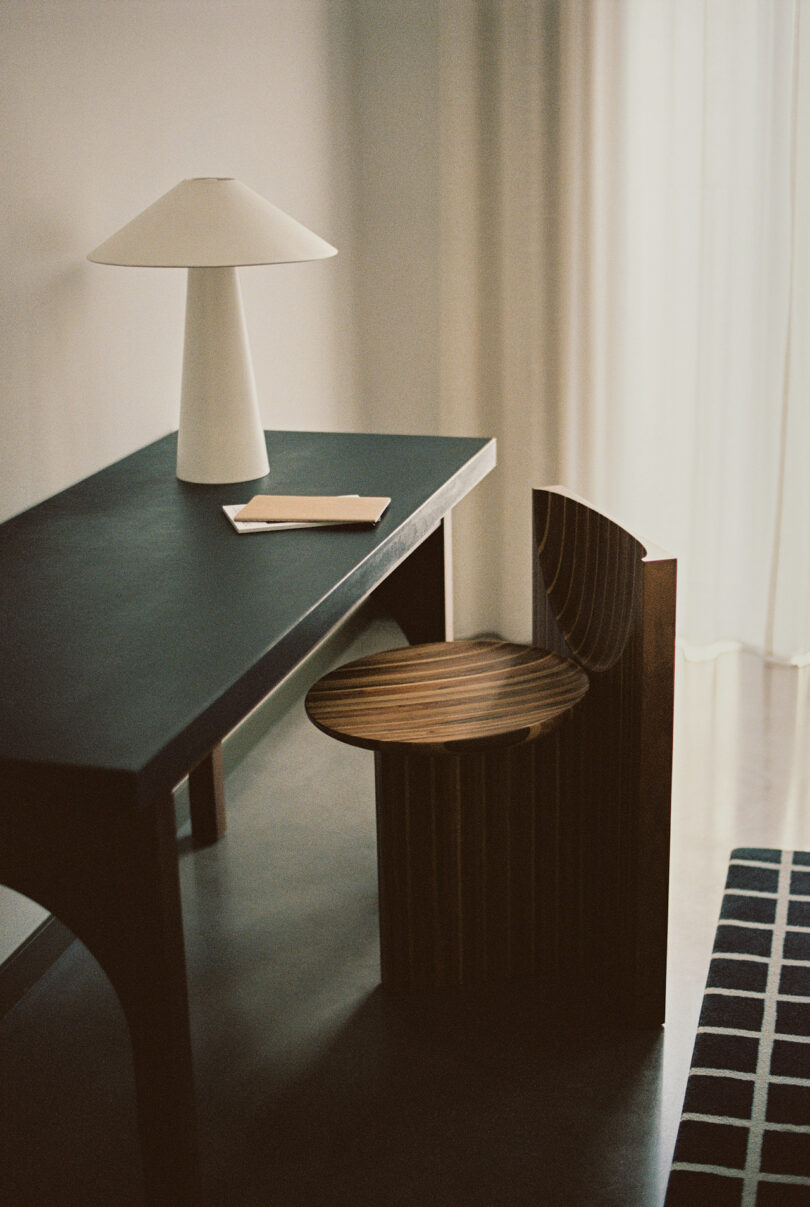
x: 523, y: 792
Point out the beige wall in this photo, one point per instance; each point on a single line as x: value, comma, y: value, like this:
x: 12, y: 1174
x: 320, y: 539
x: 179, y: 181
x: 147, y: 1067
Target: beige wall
x: 326, y: 107
x: 105, y: 107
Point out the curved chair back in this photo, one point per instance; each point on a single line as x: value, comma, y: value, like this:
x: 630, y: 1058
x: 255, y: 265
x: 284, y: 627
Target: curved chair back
x: 588, y: 581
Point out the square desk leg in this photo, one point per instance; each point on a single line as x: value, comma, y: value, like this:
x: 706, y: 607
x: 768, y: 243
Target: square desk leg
x: 419, y: 593
x: 206, y: 794
x: 107, y: 868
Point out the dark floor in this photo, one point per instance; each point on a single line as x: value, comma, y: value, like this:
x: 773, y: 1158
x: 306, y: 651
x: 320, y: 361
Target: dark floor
x: 317, y: 1088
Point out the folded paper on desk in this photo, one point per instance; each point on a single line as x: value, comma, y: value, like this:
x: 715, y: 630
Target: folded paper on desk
x: 307, y: 509
x: 231, y: 510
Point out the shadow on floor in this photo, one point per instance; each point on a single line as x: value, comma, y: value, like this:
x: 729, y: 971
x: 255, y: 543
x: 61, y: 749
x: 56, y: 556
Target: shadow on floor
x: 432, y: 1099
x: 447, y: 1100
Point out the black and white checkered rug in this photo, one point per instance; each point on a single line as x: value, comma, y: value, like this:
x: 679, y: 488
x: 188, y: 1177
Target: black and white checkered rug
x: 744, y: 1136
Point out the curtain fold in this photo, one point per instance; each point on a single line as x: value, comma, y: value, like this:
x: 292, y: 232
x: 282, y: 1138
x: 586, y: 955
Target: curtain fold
x: 625, y: 276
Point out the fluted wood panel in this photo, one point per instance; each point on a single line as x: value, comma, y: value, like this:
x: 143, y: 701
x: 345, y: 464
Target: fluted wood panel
x: 591, y: 577
x: 447, y: 696
x: 616, y: 755
x: 460, y: 898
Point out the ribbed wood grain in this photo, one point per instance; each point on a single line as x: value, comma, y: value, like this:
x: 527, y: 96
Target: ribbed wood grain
x: 447, y: 696
x: 459, y: 898
x: 590, y: 571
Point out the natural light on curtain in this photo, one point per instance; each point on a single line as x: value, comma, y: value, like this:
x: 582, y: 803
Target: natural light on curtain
x: 642, y: 226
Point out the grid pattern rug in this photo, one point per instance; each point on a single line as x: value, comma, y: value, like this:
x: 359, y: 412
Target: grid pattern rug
x: 744, y: 1136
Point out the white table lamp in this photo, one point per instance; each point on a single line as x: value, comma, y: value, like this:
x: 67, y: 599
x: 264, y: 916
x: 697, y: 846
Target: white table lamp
x: 212, y: 226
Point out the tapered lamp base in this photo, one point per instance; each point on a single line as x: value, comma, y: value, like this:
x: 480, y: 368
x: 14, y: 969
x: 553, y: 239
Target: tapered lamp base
x: 220, y: 438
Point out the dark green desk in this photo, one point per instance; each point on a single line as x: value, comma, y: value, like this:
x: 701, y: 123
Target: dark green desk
x: 136, y: 629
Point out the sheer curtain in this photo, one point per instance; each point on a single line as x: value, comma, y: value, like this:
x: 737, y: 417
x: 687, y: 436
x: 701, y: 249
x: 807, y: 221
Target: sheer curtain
x: 626, y: 291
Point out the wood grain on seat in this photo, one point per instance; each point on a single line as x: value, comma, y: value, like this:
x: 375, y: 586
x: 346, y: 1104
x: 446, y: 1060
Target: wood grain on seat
x: 447, y: 696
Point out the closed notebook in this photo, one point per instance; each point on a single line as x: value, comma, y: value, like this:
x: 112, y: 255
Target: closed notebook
x: 334, y: 509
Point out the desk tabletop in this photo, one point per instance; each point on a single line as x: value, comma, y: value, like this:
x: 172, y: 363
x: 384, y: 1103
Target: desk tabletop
x: 136, y: 627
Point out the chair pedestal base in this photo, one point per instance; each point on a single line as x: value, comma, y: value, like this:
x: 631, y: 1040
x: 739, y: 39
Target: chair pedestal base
x: 495, y: 867
x: 457, y: 837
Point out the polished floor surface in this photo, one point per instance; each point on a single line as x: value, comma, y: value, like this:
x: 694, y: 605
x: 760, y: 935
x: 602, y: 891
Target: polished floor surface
x: 316, y: 1088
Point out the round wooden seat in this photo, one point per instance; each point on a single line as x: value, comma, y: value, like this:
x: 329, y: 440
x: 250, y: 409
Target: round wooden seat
x: 453, y: 728
x: 447, y: 696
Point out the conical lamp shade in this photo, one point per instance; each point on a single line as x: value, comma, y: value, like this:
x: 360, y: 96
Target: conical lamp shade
x: 211, y: 222
x: 212, y: 226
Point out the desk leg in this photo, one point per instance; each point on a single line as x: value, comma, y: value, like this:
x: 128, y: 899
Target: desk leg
x: 419, y: 593
x: 419, y: 596
x: 108, y: 870
x: 206, y: 792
